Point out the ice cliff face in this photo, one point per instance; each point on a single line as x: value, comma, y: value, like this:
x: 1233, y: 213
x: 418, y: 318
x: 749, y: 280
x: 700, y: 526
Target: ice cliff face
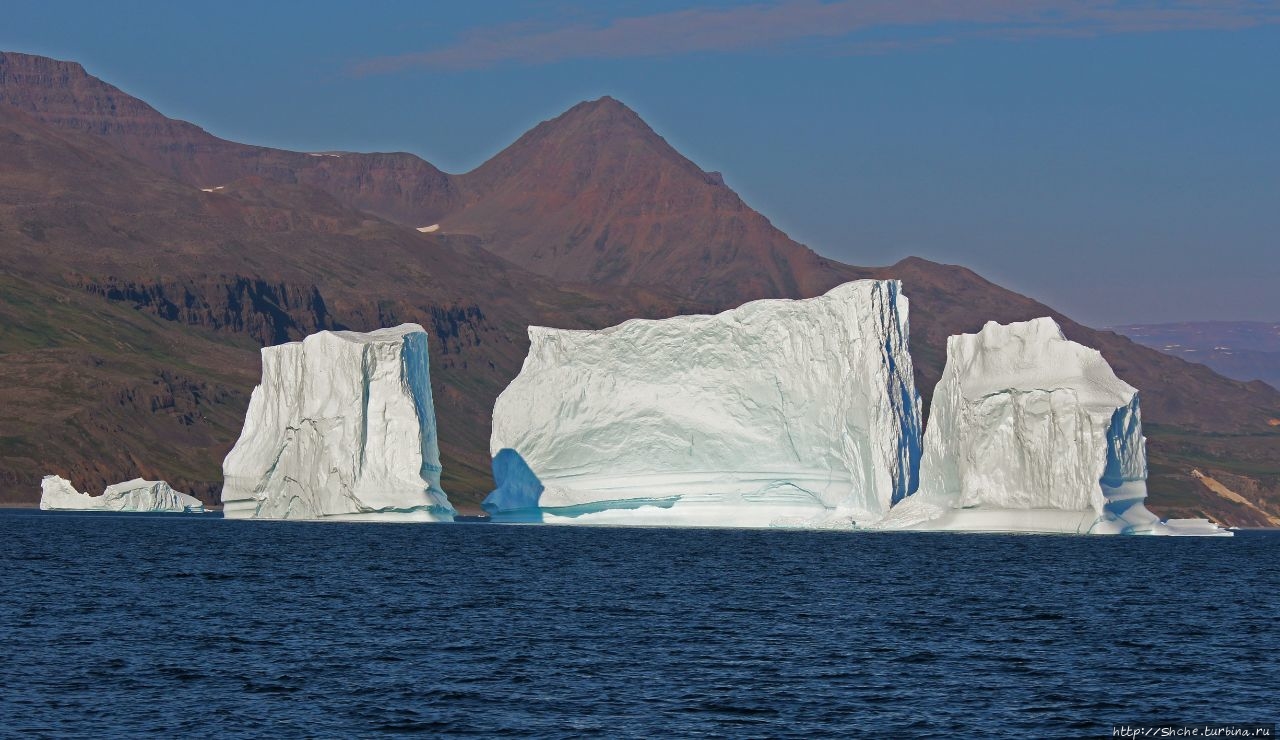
x: 342, y: 427
x: 137, y: 495
x: 1030, y: 432
x: 793, y: 412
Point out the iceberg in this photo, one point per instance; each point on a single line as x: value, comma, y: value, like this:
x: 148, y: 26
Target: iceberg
x: 137, y: 495
x: 341, y: 427
x: 779, y: 412
x: 1031, y: 432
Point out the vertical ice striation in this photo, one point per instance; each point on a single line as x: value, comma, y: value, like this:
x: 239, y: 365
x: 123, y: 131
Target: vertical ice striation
x: 137, y: 495
x: 1030, y: 432
x: 341, y: 427
x: 779, y: 412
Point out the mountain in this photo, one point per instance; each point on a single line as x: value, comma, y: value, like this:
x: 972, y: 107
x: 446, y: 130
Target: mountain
x: 595, y: 195
x: 400, y: 187
x: 1244, y: 350
x: 588, y: 219
x: 529, y: 203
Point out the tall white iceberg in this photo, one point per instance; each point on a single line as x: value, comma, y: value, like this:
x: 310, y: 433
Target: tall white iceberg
x: 779, y: 412
x: 1030, y: 432
x: 137, y: 495
x: 341, y: 427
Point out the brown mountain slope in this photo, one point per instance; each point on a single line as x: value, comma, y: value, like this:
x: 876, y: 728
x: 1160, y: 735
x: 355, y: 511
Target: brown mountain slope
x: 98, y: 392
x: 633, y: 206
x: 593, y: 195
x: 400, y: 187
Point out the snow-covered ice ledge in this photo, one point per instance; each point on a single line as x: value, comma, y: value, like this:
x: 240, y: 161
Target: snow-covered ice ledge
x: 341, y: 427
x: 137, y: 495
x: 776, y: 413
x: 1031, y: 432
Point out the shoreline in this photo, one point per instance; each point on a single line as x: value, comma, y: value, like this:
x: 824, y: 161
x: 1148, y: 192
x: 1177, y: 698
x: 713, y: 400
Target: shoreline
x: 470, y: 519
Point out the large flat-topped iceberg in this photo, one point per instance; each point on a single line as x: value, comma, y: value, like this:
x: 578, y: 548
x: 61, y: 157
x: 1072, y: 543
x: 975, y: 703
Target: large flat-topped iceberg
x: 341, y: 427
x: 137, y: 495
x: 1030, y: 432
x: 779, y: 412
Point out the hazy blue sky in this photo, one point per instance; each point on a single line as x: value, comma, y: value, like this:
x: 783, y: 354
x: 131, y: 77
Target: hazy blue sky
x: 1118, y: 160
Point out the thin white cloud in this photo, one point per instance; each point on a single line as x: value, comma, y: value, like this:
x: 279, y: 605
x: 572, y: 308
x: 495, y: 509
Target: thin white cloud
x: 890, y: 24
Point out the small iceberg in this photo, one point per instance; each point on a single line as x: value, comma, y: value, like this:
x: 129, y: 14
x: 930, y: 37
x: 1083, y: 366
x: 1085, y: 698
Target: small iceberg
x: 137, y: 495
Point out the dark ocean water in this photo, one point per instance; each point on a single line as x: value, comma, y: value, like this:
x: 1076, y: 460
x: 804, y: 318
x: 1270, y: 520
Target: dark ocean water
x: 181, y: 626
